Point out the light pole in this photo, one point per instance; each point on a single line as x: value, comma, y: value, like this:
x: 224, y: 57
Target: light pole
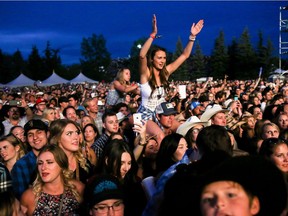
x: 283, y: 28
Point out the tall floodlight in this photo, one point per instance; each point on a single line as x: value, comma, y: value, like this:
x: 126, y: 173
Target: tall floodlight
x: 283, y: 33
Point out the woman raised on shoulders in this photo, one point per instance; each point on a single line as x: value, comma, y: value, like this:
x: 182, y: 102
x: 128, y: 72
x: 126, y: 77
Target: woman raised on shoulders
x: 154, y: 74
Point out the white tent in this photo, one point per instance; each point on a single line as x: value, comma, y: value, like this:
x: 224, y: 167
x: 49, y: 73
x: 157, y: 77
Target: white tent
x: 21, y: 80
x: 274, y: 77
x: 278, y: 71
x: 53, y: 80
x: 81, y: 78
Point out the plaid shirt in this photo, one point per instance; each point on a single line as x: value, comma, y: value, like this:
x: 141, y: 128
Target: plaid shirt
x: 149, y: 115
x: 22, y: 173
x: 5, y: 179
x: 99, y: 144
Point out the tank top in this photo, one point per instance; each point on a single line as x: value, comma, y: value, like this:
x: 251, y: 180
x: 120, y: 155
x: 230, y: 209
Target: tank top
x: 48, y: 204
x: 151, y: 101
x: 114, y: 97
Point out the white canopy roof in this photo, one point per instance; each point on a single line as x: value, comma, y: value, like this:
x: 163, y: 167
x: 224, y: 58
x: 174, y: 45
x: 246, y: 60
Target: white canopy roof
x: 21, y: 80
x: 81, y: 78
x: 53, y: 80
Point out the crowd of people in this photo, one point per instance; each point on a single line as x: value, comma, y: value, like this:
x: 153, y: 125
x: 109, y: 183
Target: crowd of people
x: 77, y: 150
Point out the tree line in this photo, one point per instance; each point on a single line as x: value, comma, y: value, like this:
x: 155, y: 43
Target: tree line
x: 239, y: 60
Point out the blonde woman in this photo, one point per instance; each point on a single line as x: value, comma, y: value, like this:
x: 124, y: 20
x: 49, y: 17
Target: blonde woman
x: 54, y: 192
x: 269, y: 130
x: 120, y: 87
x: 11, y: 150
x: 48, y: 115
x: 86, y: 120
x: 66, y: 134
x: 18, y: 131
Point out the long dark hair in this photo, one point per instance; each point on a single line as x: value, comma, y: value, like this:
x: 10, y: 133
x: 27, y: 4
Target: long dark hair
x: 110, y: 162
x: 169, y: 145
x: 268, y: 146
x: 163, y: 74
x: 94, y: 128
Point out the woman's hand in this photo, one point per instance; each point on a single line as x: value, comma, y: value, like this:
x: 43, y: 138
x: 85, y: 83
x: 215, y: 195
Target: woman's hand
x: 140, y: 129
x: 154, y: 25
x: 195, y: 29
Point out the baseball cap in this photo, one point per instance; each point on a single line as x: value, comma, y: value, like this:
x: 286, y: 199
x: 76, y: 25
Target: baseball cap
x: 102, y: 188
x: 40, y: 100
x: 165, y: 108
x: 35, y: 124
x: 194, y: 104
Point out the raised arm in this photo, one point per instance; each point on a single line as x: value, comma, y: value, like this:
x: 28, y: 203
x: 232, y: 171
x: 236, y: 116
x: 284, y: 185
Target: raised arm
x: 221, y: 88
x: 29, y: 113
x: 256, y: 84
x: 124, y: 88
x: 195, y: 29
x: 140, y: 141
x: 144, y: 71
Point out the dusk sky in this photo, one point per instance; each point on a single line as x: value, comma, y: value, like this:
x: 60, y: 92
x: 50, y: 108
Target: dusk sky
x: 64, y: 24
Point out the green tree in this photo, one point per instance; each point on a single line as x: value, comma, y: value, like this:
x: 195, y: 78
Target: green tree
x: 35, y: 65
x: 51, y: 60
x: 198, y: 64
x: 18, y: 61
x: 47, y: 60
x: 133, y: 62
x: 2, y: 69
x: 219, y: 58
x: 270, y: 50
x: 6, y: 68
x: 136, y: 47
x: 96, y: 57
x: 70, y: 72
x: 232, y: 62
x: 182, y: 72
x: 18, y: 65
x: 263, y: 55
x: 246, y: 58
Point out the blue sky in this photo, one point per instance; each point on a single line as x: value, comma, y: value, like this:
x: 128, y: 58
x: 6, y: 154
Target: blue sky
x: 64, y: 24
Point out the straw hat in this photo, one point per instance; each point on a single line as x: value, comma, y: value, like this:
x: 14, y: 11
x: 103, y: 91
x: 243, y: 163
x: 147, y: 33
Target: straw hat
x: 190, y: 122
x: 231, y: 121
x: 227, y: 103
x: 212, y: 110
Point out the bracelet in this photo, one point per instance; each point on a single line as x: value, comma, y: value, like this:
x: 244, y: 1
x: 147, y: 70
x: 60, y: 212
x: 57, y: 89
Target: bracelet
x: 192, y: 38
x: 152, y: 36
